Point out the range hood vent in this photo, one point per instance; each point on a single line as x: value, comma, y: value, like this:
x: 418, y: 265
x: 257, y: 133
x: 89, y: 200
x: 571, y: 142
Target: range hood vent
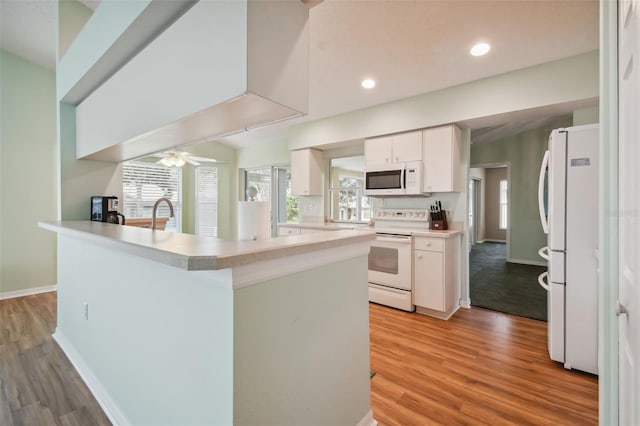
x: 221, y: 68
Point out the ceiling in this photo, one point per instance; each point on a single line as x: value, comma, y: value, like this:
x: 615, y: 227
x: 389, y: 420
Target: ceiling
x: 408, y: 47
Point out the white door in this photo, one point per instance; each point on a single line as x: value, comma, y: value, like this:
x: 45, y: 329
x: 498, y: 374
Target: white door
x: 629, y: 212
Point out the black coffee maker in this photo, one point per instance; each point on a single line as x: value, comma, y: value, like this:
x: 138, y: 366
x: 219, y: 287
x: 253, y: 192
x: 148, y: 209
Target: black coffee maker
x: 105, y: 209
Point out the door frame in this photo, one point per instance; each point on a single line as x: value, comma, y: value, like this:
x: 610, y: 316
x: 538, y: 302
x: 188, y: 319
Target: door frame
x: 506, y: 164
x: 474, y: 207
x: 608, y: 383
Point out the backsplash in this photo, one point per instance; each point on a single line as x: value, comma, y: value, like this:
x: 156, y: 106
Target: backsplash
x: 311, y: 210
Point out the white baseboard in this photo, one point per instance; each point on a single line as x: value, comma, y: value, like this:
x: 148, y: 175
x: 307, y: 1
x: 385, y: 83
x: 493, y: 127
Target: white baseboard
x: 527, y: 262
x: 368, y: 420
x: 465, y: 303
x: 96, y: 388
x: 27, y: 292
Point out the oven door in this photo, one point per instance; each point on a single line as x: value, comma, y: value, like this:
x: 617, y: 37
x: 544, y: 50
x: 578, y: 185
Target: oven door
x: 390, y: 261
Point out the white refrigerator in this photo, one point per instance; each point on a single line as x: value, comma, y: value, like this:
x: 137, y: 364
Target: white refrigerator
x: 568, y: 204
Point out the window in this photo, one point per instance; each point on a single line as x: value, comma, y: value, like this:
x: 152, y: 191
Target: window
x: 207, y: 201
x: 503, y: 204
x: 143, y: 183
x: 348, y: 202
x: 274, y: 185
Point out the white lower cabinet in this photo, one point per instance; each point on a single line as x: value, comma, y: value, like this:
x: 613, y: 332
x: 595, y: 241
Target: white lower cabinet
x: 434, y: 290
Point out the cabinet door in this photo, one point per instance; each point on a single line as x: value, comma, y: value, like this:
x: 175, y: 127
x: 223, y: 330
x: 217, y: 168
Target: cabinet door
x: 407, y: 147
x: 428, y: 271
x: 442, y: 163
x: 377, y: 151
x: 438, y: 153
x: 306, y: 172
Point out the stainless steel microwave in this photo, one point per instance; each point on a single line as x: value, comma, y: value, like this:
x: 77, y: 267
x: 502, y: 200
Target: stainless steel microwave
x: 394, y: 179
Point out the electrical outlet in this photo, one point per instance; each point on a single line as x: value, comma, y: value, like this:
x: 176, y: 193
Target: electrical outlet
x: 85, y: 310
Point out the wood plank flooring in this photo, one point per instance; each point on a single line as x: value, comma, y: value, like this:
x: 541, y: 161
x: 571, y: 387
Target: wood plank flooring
x: 38, y: 384
x: 480, y: 367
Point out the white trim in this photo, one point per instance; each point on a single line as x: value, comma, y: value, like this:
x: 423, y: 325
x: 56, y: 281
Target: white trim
x: 254, y: 273
x: 527, y: 262
x: 99, y: 392
x: 438, y: 314
x: 465, y: 303
x: 27, y: 292
x: 367, y: 420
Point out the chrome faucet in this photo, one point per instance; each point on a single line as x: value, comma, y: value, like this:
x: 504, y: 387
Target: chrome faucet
x: 155, y: 210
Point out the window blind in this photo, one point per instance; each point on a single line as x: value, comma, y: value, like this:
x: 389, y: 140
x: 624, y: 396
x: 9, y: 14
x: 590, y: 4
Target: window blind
x: 207, y: 201
x: 143, y: 183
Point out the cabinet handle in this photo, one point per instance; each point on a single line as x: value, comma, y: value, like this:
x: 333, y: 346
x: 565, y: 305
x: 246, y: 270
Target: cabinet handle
x: 396, y: 159
x: 419, y: 256
x: 427, y: 244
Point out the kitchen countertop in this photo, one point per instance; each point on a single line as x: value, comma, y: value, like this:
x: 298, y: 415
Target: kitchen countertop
x: 415, y: 232
x: 193, y: 252
x: 327, y: 226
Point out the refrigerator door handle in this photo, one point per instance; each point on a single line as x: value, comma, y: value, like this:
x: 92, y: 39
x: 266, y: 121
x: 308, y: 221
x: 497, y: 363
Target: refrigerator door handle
x: 542, y: 278
x: 544, y: 253
x: 543, y: 172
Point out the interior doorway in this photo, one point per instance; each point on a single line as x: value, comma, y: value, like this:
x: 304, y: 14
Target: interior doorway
x: 494, y: 282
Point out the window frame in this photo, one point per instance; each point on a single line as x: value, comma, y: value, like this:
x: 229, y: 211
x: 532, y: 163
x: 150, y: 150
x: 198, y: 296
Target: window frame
x: 199, y: 201
x: 360, y: 196
x: 145, y: 204
x: 503, y: 204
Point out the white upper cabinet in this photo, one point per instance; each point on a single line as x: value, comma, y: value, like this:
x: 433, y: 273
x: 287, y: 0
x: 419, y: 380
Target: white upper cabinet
x: 442, y: 159
x: 397, y: 148
x: 306, y: 172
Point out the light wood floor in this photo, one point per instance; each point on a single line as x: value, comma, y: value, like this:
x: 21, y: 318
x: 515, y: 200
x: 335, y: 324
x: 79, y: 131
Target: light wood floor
x: 478, y: 367
x: 38, y: 385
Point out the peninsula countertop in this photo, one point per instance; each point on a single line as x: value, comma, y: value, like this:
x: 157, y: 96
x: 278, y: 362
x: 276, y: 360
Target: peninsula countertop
x: 197, y: 253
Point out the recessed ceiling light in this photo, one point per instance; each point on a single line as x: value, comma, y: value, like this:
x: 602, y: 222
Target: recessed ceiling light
x: 368, y: 83
x: 480, y: 49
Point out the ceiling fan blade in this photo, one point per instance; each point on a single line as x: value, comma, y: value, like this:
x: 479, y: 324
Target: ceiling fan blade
x: 190, y: 161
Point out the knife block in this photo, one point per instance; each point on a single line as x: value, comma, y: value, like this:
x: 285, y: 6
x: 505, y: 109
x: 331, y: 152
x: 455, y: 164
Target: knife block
x: 440, y: 225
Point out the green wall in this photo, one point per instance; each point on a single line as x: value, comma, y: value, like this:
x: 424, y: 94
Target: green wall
x: 28, y: 169
x: 72, y: 16
x: 264, y: 154
x: 524, y: 154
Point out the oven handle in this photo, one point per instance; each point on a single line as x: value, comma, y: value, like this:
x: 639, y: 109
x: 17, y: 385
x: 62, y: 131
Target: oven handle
x: 395, y: 240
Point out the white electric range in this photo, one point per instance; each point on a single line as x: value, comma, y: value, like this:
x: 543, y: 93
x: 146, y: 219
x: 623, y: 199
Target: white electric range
x: 390, y: 258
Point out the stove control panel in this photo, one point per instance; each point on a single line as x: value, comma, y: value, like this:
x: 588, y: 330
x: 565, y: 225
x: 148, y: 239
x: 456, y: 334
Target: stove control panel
x: 401, y: 214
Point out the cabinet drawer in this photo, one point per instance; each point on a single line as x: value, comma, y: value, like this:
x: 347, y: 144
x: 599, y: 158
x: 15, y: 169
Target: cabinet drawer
x: 429, y: 244
x: 285, y: 231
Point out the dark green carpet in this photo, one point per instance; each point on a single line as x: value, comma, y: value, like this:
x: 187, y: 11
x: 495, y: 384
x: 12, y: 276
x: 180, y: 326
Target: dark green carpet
x: 506, y: 287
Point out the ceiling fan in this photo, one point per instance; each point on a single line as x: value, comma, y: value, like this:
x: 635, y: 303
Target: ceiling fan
x: 177, y: 158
